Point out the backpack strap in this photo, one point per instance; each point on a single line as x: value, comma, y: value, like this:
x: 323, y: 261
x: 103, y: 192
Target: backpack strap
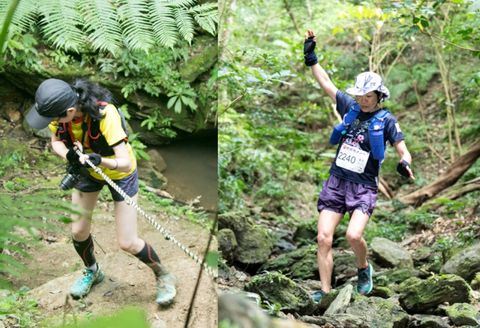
x: 375, y: 133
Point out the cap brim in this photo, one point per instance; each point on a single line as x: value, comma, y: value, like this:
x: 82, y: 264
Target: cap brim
x: 355, y: 92
x: 36, y: 120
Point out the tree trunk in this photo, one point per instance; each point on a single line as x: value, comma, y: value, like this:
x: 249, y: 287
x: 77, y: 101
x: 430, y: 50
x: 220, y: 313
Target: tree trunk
x: 454, y: 172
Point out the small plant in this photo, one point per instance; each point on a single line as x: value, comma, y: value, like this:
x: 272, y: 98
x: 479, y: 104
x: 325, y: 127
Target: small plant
x: 182, y: 97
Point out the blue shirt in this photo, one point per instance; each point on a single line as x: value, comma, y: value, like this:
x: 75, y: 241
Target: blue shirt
x: 357, y: 136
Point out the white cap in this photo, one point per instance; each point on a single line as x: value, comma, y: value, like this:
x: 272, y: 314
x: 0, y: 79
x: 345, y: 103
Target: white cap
x: 366, y: 82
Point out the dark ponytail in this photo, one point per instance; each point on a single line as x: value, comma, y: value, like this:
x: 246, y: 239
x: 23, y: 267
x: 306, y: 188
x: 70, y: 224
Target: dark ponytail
x: 88, y: 95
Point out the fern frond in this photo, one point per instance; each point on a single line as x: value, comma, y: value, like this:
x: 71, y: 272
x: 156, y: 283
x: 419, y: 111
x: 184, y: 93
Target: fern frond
x: 206, y: 16
x: 135, y: 24
x: 24, y: 17
x: 163, y: 23
x: 181, y: 3
x: 184, y: 23
x: 60, y: 24
x: 102, y: 25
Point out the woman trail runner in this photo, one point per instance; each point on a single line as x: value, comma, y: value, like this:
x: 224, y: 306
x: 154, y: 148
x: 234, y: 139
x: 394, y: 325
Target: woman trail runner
x: 353, y: 182
x: 81, y: 116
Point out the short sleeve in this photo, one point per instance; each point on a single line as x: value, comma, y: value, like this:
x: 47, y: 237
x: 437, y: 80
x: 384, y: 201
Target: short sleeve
x: 344, y: 102
x: 53, y: 127
x: 111, y: 126
x: 392, y: 130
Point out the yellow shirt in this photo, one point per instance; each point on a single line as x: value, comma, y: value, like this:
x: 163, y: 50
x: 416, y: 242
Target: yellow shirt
x: 111, y: 128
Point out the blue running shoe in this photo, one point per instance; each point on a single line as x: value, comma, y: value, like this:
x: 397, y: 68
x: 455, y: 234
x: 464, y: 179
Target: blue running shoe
x: 365, y: 282
x: 317, y: 296
x: 82, y: 285
x: 166, y: 289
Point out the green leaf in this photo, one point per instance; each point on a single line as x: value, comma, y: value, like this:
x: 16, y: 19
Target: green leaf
x: 171, y: 102
x: 178, y: 107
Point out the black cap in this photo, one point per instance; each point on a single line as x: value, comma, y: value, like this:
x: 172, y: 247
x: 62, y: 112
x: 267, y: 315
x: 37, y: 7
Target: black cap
x: 52, y: 99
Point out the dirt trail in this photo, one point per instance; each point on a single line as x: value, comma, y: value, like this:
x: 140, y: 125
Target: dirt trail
x: 127, y: 280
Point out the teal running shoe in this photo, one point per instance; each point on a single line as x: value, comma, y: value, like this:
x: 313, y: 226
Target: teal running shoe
x: 166, y: 289
x: 82, y: 285
x: 365, y: 282
x: 317, y: 296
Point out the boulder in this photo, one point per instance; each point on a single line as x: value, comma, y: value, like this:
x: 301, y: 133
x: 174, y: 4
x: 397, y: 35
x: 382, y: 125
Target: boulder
x: 254, y: 243
x: 427, y: 321
x: 378, y: 312
x: 276, y: 288
x: 423, y: 296
x: 306, y: 232
x: 390, y: 254
x: 465, y: 264
x: 227, y: 243
x: 297, y: 264
x: 341, y: 302
x: 463, y: 314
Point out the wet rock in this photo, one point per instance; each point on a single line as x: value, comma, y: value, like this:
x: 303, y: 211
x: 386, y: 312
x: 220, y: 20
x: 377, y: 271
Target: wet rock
x: 421, y: 296
x: 427, y: 321
x: 150, y: 175
x: 254, y: 242
x: 463, y: 314
x: 227, y: 243
x: 390, y: 254
x: 341, y: 301
x: 465, y: 263
x: 277, y: 288
x: 298, y: 264
x: 157, y: 160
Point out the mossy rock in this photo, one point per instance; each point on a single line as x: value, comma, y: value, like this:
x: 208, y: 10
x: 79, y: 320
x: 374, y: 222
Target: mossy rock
x: 203, y: 55
x: 391, y: 277
x: 306, y: 232
x: 227, y: 243
x: 254, y: 243
x: 463, y: 314
x: 297, y: 264
x: 465, y: 263
x: 276, y: 288
x: 422, y: 296
x: 390, y: 254
x: 378, y: 312
x: 476, y: 282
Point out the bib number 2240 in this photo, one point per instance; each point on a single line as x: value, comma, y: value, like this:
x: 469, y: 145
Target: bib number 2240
x: 352, y: 158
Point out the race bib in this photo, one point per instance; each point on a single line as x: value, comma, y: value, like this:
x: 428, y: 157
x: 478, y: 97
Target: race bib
x: 352, y: 158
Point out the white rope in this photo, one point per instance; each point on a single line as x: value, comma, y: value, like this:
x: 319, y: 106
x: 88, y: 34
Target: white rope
x: 150, y: 219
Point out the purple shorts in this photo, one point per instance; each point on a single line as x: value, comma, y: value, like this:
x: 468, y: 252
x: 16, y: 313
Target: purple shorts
x: 340, y: 196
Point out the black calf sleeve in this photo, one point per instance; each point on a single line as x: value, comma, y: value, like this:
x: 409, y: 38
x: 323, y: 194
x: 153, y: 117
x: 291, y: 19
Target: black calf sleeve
x: 85, y: 250
x: 148, y: 256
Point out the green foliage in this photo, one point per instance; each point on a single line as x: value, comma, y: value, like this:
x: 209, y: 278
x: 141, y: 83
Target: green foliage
x: 108, y: 26
x: 18, y: 310
x: 125, y: 318
x: 227, y: 324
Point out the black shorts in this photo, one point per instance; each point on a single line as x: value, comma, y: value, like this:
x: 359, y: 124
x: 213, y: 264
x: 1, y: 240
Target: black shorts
x: 128, y: 184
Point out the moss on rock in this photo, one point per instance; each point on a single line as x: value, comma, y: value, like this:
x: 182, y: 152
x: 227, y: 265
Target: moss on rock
x: 276, y: 288
x: 421, y: 296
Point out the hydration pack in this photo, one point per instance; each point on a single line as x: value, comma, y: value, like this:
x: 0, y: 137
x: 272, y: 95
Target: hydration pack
x: 375, y: 130
x: 90, y: 127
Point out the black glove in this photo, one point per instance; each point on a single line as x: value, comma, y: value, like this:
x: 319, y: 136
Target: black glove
x: 309, y: 52
x: 73, y: 157
x: 95, y: 158
x: 402, y: 168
